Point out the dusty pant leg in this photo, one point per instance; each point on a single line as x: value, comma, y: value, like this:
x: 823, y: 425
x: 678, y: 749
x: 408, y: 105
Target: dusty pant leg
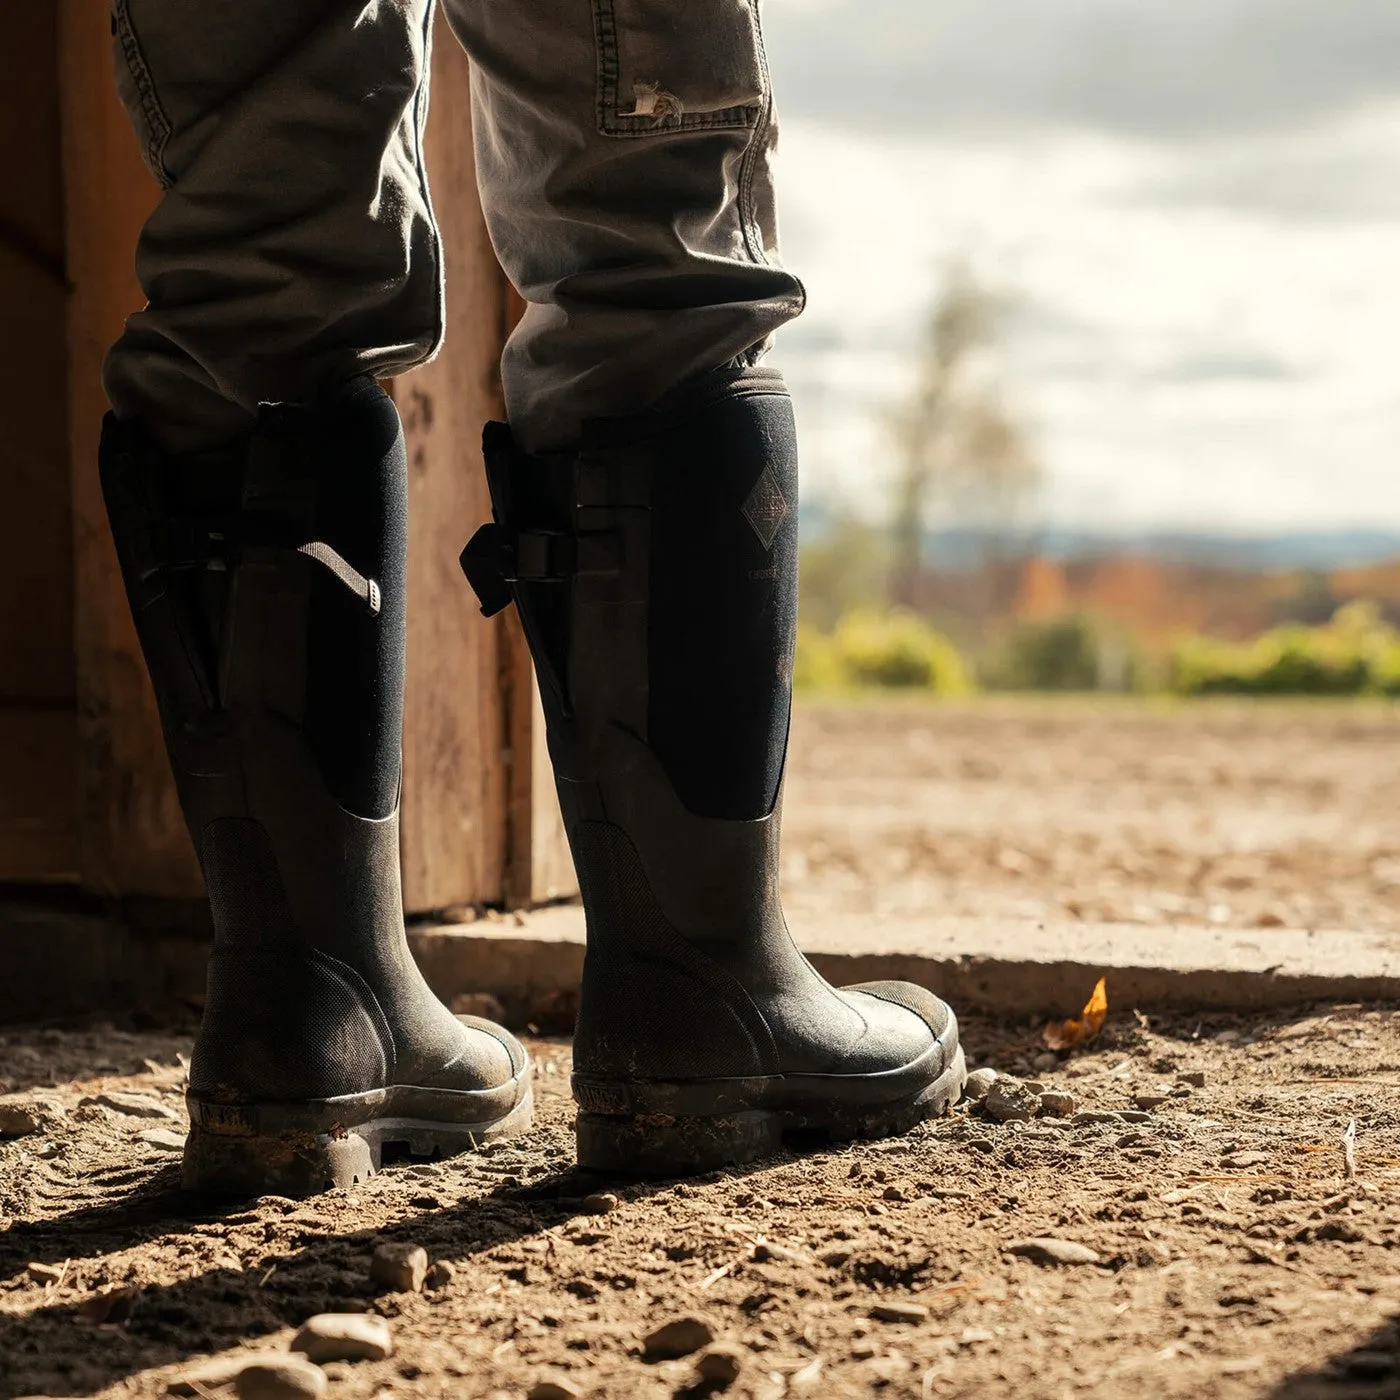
x: 623, y: 154
x: 294, y: 244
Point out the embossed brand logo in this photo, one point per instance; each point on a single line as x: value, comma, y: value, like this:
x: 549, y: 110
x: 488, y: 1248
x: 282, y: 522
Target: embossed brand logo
x: 766, y: 508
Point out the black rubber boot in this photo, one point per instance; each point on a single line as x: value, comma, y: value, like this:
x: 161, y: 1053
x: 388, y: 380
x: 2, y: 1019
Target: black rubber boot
x: 267, y: 584
x: 656, y: 575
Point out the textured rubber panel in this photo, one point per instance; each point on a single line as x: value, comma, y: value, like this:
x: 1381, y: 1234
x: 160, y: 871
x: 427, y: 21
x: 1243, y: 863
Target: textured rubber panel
x: 723, y: 613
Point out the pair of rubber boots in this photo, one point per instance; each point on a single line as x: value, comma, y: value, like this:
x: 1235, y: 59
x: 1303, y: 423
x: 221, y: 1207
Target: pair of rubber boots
x: 654, y: 569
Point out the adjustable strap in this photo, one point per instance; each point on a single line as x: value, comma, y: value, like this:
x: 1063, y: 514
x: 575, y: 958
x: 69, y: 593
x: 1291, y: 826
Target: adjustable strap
x: 195, y: 542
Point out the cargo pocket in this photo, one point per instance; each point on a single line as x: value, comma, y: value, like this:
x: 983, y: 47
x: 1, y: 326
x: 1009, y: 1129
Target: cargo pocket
x: 138, y: 94
x: 677, y: 65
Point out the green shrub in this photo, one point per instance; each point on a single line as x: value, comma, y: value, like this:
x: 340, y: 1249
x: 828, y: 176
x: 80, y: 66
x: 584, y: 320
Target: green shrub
x: 1355, y: 653
x: 889, y: 650
x: 1073, y: 652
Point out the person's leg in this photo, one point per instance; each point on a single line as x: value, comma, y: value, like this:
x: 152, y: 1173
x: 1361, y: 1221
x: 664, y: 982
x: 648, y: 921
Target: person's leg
x: 294, y: 245
x: 645, y: 496
x: 624, y: 156
x: 255, y: 479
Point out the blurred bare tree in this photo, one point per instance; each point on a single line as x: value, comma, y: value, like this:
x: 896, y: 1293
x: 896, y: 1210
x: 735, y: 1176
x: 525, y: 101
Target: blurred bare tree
x: 960, y: 451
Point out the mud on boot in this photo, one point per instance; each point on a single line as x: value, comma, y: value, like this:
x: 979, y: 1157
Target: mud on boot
x: 266, y: 579
x: 655, y: 571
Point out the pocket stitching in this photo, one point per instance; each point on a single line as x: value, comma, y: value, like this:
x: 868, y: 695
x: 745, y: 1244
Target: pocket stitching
x: 153, y: 114
x: 610, y: 123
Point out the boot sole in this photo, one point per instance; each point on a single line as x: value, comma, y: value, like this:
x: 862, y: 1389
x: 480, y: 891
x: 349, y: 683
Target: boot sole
x: 300, y: 1149
x: 619, y: 1134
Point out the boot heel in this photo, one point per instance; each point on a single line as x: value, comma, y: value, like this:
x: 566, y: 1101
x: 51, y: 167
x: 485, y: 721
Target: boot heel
x: 656, y: 1144
x: 259, y: 1164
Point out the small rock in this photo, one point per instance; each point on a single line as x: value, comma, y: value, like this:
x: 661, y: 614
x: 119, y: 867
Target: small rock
x: 978, y: 1082
x: 23, y: 1116
x: 899, y: 1312
x: 1227, y: 1037
x: 1058, y: 1104
x: 440, y: 1275
x: 719, y: 1366
x: 1046, y: 1060
x: 399, y: 1266
x: 115, y: 1305
x: 46, y: 1273
x: 863, y: 1349
x: 553, y: 1387
x: 1036, y: 1086
x: 1147, y: 1102
x: 1131, y: 1140
x: 163, y: 1138
x: 1045, y: 1250
x: 982, y: 1144
x: 679, y: 1337
x: 287, y: 1378
x: 1134, y: 1115
x: 1196, y: 1078
x: 132, y: 1105
x: 836, y: 1258
x: 599, y: 1203
x: 766, y: 1252
x: 1371, y: 1365
x: 1339, y: 1230
x: 344, y: 1337
x: 211, y: 1375
x: 1240, y: 1160
x: 481, y: 1004
x: 893, y: 1193
x: 1087, y: 1117
x: 1009, y: 1101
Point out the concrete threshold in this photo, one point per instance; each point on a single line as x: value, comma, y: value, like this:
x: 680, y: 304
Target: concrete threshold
x: 63, y: 962
x: 1003, y: 967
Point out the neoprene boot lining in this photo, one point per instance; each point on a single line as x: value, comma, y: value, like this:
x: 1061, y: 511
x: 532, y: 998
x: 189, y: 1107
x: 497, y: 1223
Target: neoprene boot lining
x: 267, y: 584
x: 655, y: 572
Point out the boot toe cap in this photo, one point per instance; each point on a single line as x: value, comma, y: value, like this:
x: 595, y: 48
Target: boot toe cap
x: 907, y: 1021
x: 506, y: 1056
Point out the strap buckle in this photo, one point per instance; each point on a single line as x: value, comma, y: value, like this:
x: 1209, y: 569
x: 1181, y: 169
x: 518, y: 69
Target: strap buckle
x: 496, y: 558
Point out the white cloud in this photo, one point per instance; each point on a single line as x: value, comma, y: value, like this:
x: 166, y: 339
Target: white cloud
x: 1194, y: 346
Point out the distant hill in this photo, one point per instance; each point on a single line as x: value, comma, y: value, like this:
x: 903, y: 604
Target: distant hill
x: 1320, y: 550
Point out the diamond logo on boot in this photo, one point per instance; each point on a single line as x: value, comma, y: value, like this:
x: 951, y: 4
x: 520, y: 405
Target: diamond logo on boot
x: 766, y: 508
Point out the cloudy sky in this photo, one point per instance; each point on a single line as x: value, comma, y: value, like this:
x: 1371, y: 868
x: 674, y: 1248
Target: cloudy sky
x: 1195, y: 203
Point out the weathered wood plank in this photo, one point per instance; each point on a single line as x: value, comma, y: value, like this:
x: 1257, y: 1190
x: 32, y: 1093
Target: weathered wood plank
x: 38, y: 788
x: 132, y: 837
x: 456, y: 739
x: 38, y: 779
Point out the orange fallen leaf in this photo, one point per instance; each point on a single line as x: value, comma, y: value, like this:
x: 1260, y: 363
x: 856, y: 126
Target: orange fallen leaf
x: 1065, y: 1035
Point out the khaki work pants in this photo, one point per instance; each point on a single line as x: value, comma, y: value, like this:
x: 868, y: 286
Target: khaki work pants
x: 623, y: 158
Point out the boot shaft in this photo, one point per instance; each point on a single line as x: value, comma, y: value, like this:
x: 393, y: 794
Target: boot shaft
x: 655, y: 571
x: 266, y: 579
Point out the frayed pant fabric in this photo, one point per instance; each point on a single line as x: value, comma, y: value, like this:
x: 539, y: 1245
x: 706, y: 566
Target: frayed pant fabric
x: 623, y: 155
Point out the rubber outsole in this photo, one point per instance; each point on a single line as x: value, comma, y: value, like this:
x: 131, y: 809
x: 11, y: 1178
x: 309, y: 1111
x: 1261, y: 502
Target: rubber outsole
x: 291, y: 1150
x: 659, y: 1143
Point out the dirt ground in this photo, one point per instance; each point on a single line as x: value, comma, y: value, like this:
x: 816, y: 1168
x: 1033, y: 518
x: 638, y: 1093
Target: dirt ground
x: 1235, y: 1256
x: 1244, y: 814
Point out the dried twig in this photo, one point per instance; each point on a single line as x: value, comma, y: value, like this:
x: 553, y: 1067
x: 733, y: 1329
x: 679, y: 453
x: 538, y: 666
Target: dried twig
x: 1235, y: 1180
x: 1349, y: 1149
x: 719, y: 1273
x: 1337, y: 1079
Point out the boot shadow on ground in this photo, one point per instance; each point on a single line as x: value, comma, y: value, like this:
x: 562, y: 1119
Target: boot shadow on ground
x: 222, y: 1307
x: 1368, y: 1371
